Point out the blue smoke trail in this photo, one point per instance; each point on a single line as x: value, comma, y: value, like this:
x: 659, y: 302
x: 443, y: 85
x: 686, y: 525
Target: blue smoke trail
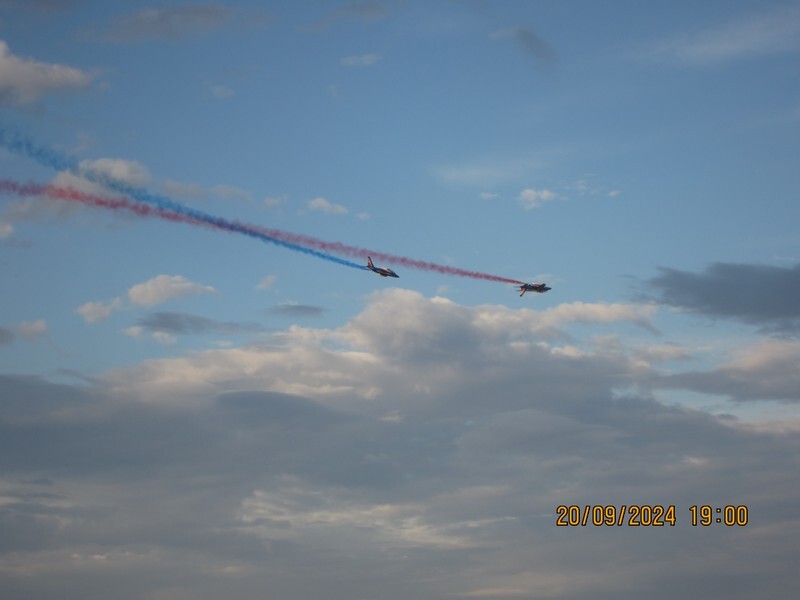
x: 19, y: 144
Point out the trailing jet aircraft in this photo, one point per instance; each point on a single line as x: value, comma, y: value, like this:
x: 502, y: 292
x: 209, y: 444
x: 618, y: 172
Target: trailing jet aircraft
x: 540, y: 288
x: 382, y: 271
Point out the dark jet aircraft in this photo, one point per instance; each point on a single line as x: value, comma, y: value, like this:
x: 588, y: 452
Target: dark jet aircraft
x: 541, y: 288
x: 382, y: 271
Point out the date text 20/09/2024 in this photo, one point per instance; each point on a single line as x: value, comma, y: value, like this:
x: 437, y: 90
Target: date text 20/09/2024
x: 646, y: 515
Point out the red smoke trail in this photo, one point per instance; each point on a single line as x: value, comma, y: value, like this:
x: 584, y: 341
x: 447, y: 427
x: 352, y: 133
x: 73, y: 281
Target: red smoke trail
x: 71, y: 194
x: 146, y: 210
x: 166, y: 209
x: 339, y: 248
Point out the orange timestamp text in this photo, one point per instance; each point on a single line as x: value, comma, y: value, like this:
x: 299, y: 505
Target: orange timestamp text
x: 647, y: 515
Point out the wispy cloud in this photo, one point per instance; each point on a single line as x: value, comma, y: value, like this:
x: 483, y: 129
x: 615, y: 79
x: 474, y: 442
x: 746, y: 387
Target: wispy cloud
x: 96, y: 311
x: 267, y: 282
x: 491, y: 171
x: 128, y: 171
x: 198, y: 192
x: 221, y: 92
x: 273, y: 201
x: 355, y: 10
x: 168, y: 23
x: 187, y: 190
x: 32, y: 330
x: 162, y: 288
x: 158, y: 290
x: 184, y: 323
x: 361, y: 60
x: 322, y: 205
x: 774, y: 30
x: 530, y: 41
x: 32, y: 209
x: 231, y: 192
x: 531, y: 198
x: 766, y: 371
x: 42, y: 6
x: 295, y: 309
x: 24, y: 81
x: 6, y: 335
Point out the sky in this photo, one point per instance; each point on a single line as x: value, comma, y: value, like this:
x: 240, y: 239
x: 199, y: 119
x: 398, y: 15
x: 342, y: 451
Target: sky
x: 190, y: 408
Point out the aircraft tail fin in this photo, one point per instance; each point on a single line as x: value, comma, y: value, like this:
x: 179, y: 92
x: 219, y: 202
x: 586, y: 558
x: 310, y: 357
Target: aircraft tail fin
x: 369, y: 262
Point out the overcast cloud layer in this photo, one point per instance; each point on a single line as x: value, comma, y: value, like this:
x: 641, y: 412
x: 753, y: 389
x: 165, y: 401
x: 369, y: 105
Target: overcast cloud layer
x: 419, y: 458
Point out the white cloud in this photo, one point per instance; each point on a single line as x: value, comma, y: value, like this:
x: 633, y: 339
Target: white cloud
x: 269, y: 515
x: 489, y: 172
x: 775, y: 30
x: 163, y: 338
x: 194, y: 191
x: 373, y: 346
x: 95, y: 311
x: 478, y: 174
x: 530, y: 198
x: 658, y: 353
x: 157, y: 290
x: 162, y: 288
x: 230, y: 192
x: 221, y: 92
x: 362, y: 60
x: 768, y: 370
x: 179, y: 188
x: 322, y: 205
x: 32, y: 330
x: 599, y: 313
x: 40, y: 207
x: 6, y: 229
x: 172, y: 22
x: 273, y: 201
x: 25, y: 81
x: 126, y: 171
x: 267, y: 282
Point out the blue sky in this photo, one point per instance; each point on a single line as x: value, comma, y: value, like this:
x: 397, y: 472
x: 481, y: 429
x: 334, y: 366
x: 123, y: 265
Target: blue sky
x: 187, y: 412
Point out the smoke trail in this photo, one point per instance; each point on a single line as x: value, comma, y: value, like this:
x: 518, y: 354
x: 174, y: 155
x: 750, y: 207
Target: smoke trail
x: 21, y: 145
x: 145, y: 210
x: 298, y: 242
x: 411, y: 263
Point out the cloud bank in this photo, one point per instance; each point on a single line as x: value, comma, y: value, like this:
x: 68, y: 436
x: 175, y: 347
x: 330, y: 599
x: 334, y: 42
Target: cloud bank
x: 419, y: 456
x: 758, y: 294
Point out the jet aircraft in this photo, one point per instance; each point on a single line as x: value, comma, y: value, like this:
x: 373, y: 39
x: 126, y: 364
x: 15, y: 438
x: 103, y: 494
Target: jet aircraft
x: 382, y: 271
x: 540, y: 288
